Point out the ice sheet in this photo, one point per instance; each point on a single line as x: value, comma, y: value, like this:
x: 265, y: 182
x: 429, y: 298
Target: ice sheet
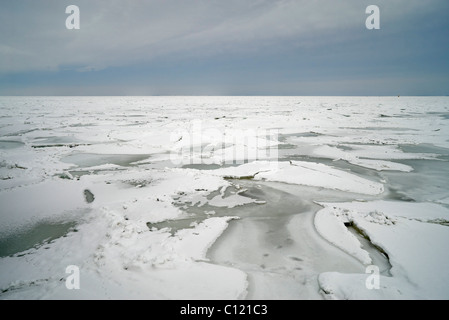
x: 304, y: 173
x: 91, y: 175
x: 404, y: 231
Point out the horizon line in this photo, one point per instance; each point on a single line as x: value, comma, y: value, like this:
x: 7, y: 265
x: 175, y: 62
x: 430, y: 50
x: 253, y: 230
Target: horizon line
x: 218, y: 95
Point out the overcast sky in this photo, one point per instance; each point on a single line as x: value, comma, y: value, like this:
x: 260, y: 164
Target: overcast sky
x: 224, y: 47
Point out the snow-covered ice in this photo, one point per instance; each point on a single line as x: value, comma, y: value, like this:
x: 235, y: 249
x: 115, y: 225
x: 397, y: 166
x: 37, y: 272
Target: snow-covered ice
x: 411, y: 234
x: 304, y: 173
x: 224, y: 197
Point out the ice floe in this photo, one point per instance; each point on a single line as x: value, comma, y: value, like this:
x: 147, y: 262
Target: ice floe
x: 224, y: 197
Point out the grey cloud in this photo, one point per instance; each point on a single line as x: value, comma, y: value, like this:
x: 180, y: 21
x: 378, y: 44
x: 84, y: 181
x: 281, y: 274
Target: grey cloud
x: 119, y: 33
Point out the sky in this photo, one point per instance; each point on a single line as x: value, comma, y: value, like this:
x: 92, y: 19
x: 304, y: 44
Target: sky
x: 224, y: 47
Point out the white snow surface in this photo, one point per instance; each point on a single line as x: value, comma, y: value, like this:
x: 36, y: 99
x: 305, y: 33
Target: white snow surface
x: 405, y: 231
x: 304, y: 173
x: 223, y: 197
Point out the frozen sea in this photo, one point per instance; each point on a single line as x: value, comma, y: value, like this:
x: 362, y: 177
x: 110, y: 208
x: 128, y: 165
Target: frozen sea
x: 224, y: 197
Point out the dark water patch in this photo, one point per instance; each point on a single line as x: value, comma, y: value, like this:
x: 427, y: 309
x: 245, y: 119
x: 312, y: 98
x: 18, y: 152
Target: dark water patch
x: 18, y: 285
x: 383, y: 115
x: 287, y: 146
x: 35, y: 236
x: 135, y: 115
x: 432, y: 150
x: 4, y: 164
x: 394, y: 194
x: 249, y: 177
x: 82, y: 125
x: 308, y: 134
x: 378, y: 255
x: 441, y: 222
x: 132, y: 124
x: 88, y: 196
x: 296, y: 259
x: 381, y: 128
x: 429, y: 181
x: 10, y: 144
x: 344, y: 147
x: 202, y: 166
x: 139, y: 183
x: 22, y: 132
x: 175, y: 225
x: 197, y: 212
x: 214, y: 166
x: 362, y: 233
x: 93, y: 159
x: 55, y: 142
x: 277, y: 203
x: 129, y: 116
x: 444, y: 115
x: 69, y: 145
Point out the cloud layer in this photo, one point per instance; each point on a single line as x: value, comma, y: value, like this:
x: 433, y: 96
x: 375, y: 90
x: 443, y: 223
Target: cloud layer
x: 113, y: 34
